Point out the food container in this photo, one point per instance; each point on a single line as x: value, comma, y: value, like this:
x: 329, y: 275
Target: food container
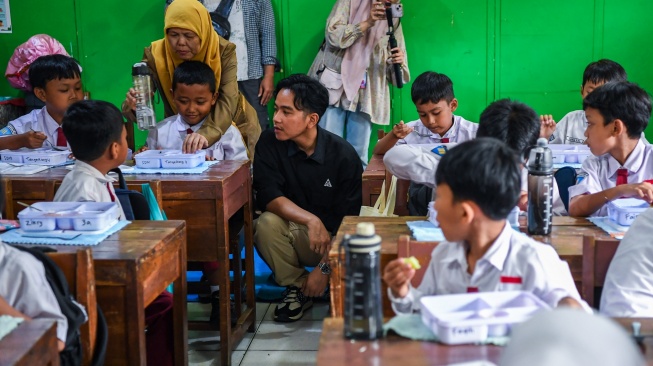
x: 169, y: 159
x: 571, y: 154
x: 79, y: 216
x: 473, y: 317
x: 433, y: 215
x: 42, y: 156
x: 624, y: 211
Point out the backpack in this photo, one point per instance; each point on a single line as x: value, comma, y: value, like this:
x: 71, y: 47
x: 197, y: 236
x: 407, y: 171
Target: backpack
x: 134, y: 204
x: 74, y: 313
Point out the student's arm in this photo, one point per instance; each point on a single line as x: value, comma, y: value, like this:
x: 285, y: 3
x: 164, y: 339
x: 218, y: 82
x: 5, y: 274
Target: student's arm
x: 30, y: 139
x: 569, y: 302
x: 399, y: 132
x: 585, y: 205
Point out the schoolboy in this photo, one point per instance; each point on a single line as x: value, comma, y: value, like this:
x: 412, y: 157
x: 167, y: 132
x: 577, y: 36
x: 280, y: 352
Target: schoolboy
x: 194, y: 93
x: 478, y: 184
x: 571, y: 128
x: 56, y: 82
x: 98, y: 139
x: 617, y: 113
x: 433, y: 96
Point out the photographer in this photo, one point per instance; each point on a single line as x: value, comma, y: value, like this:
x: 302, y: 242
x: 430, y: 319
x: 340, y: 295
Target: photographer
x: 355, y: 64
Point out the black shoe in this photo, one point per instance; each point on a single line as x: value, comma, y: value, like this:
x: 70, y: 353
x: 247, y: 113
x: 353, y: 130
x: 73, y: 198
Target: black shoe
x: 293, y: 305
x: 215, y: 309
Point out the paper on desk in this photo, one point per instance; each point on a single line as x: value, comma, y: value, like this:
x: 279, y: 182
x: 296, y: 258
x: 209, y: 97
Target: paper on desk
x: 7, y: 324
x: 609, y: 226
x: 21, y: 169
x: 425, y: 231
x: 58, y: 237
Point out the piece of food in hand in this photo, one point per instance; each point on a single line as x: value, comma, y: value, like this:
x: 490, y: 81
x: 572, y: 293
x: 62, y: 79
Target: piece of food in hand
x: 413, y: 262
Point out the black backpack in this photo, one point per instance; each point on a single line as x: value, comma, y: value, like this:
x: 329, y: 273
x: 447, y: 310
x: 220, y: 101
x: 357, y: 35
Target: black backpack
x: 134, y: 204
x: 72, y: 353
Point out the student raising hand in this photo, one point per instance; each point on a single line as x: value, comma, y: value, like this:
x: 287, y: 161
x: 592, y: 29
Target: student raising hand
x: 397, y: 275
x: 548, y: 126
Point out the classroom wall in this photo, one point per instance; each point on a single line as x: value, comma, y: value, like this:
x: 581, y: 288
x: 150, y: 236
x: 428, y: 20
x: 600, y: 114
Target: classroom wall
x: 531, y: 50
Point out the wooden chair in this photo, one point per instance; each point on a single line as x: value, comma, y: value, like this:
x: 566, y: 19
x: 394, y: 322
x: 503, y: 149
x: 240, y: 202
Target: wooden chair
x: 597, y: 255
x: 407, y: 247
x: 79, y: 272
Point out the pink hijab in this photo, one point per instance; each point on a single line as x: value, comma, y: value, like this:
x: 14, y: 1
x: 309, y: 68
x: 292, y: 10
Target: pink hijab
x: 35, y: 47
x: 357, y: 57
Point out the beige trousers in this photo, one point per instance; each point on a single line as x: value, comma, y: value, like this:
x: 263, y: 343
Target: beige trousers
x: 285, y: 247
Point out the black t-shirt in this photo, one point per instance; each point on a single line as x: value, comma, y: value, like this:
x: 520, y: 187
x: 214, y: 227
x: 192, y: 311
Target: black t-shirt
x: 327, y: 184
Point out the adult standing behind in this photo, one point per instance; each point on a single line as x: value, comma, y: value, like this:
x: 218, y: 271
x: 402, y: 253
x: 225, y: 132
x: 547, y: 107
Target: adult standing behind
x: 306, y: 180
x: 355, y: 64
x: 253, y: 33
x: 189, y: 35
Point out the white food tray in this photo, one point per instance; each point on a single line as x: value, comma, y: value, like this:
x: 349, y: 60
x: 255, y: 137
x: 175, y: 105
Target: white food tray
x: 42, y: 156
x: 569, y: 153
x: 473, y: 317
x: 624, y: 211
x: 169, y: 159
x: 79, y: 216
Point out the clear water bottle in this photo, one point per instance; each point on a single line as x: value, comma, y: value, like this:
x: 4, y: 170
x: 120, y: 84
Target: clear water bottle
x: 142, y: 80
x: 363, y: 310
x: 540, y: 189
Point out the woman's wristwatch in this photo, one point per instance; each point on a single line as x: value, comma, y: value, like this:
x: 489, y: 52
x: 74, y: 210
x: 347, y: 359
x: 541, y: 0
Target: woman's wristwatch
x: 325, y: 267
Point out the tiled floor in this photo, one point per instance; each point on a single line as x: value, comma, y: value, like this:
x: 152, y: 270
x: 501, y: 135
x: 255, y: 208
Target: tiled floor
x: 272, y: 344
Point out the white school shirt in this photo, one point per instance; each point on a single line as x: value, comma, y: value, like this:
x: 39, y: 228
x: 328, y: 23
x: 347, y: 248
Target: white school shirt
x: 38, y: 120
x: 602, y: 172
x: 628, y: 288
x: 170, y: 133
x: 461, y: 130
x: 86, y: 184
x: 571, y: 130
x: 513, y: 257
x: 25, y: 288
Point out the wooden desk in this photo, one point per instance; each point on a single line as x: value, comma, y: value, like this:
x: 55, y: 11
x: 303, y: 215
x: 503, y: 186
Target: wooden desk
x: 336, y: 350
x: 132, y: 267
x: 373, y: 178
x: 206, y: 202
x: 31, y: 343
x: 566, y: 238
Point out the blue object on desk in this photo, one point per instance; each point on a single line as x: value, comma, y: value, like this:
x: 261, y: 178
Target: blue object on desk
x: 425, y: 231
x: 50, y: 238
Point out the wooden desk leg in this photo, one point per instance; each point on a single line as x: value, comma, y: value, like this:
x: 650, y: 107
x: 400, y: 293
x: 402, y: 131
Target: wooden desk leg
x: 249, y: 261
x: 179, y: 311
x: 226, y: 339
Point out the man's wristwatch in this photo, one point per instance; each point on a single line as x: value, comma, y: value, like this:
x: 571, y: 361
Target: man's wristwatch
x: 325, y: 267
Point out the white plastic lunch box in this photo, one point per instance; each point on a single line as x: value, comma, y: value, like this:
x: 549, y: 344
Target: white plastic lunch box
x: 79, y: 216
x: 624, y: 211
x: 42, y: 156
x: 169, y: 159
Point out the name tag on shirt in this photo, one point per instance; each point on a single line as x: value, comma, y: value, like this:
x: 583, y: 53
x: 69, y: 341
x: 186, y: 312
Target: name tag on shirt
x: 511, y: 279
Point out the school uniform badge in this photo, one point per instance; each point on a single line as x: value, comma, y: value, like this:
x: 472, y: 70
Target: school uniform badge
x: 440, y: 150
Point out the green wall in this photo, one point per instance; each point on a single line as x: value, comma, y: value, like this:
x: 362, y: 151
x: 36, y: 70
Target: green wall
x: 533, y: 51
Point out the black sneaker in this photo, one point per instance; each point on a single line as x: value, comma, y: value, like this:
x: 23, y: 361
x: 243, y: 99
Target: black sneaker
x: 215, y: 309
x: 293, y: 305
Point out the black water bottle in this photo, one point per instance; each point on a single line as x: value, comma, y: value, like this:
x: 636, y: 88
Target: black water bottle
x: 540, y: 189
x: 363, y: 310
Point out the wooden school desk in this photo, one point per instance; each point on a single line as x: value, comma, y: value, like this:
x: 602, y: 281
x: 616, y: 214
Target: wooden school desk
x: 334, y: 349
x: 31, y: 343
x: 566, y: 238
x: 206, y: 202
x: 132, y: 267
x: 373, y: 178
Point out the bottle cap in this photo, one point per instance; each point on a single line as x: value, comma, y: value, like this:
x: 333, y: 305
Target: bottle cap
x: 365, y: 229
x: 540, y: 158
x: 140, y: 68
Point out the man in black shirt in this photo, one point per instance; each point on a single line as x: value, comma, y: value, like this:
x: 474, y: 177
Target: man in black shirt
x: 306, y: 180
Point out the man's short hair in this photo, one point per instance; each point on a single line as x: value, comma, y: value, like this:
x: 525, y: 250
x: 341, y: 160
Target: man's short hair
x: 90, y: 127
x: 310, y: 95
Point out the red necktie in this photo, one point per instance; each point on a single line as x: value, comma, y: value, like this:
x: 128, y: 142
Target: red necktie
x: 622, y: 176
x: 445, y: 140
x: 113, y: 198
x: 189, y: 131
x: 61, y: 138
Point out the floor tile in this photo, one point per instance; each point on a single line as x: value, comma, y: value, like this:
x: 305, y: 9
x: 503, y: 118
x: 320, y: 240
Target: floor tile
x: 282, y: 358
x: 201, y: 340
x: 319, y: 311
x: 261, y: 309
x: 212, y: 358
x: 299, y: 336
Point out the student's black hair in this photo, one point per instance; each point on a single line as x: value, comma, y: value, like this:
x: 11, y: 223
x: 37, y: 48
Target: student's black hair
x: 91, y: 126
x: 310, y: 95
x: 512, y: 122
x: 52, y: 67
x: 194, y: 72
x: 604, y: 71
x: 484, y: 171
x: 432, y: 87
x: 622, y: 100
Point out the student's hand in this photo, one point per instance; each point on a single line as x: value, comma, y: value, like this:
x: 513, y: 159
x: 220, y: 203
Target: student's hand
x: 315, y: 283
x: 547, y: 126
x: 266, y: 89
x: 33, y: 139
x: 397, y: 275
x: 401, y: 130
x: 210, y: 158
x: 523, y: 201
x: 194, y: 142
x: 142, y: 149
x: 397, y: 56
x: 130, y: 99
x: 377, y: 12
x: 642, y: 190
x: 569, y: 302
x: 320, y: 240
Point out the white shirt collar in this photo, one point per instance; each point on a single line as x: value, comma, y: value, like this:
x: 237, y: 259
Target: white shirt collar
x: 633, y: 162
x: 183, y: 126
x: 496, y: 254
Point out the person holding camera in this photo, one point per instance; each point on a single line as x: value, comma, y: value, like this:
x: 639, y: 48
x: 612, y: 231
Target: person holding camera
x: 355, y: 64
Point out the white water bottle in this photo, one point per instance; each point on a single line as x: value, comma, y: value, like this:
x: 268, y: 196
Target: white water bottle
x: 142, y: 80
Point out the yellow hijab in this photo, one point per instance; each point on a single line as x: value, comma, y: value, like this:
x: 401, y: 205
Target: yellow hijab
x: 191, y: 15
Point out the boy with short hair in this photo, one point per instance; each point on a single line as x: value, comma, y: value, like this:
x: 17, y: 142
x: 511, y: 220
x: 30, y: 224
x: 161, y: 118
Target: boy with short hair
x: 617, y: 113
x: 194, y: 92
x: 56, y: 81
x: 478, y: 184
x: 571, y: 128
x: 433, y: 96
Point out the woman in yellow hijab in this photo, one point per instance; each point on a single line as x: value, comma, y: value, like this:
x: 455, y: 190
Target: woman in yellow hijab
x: 189, y: 35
